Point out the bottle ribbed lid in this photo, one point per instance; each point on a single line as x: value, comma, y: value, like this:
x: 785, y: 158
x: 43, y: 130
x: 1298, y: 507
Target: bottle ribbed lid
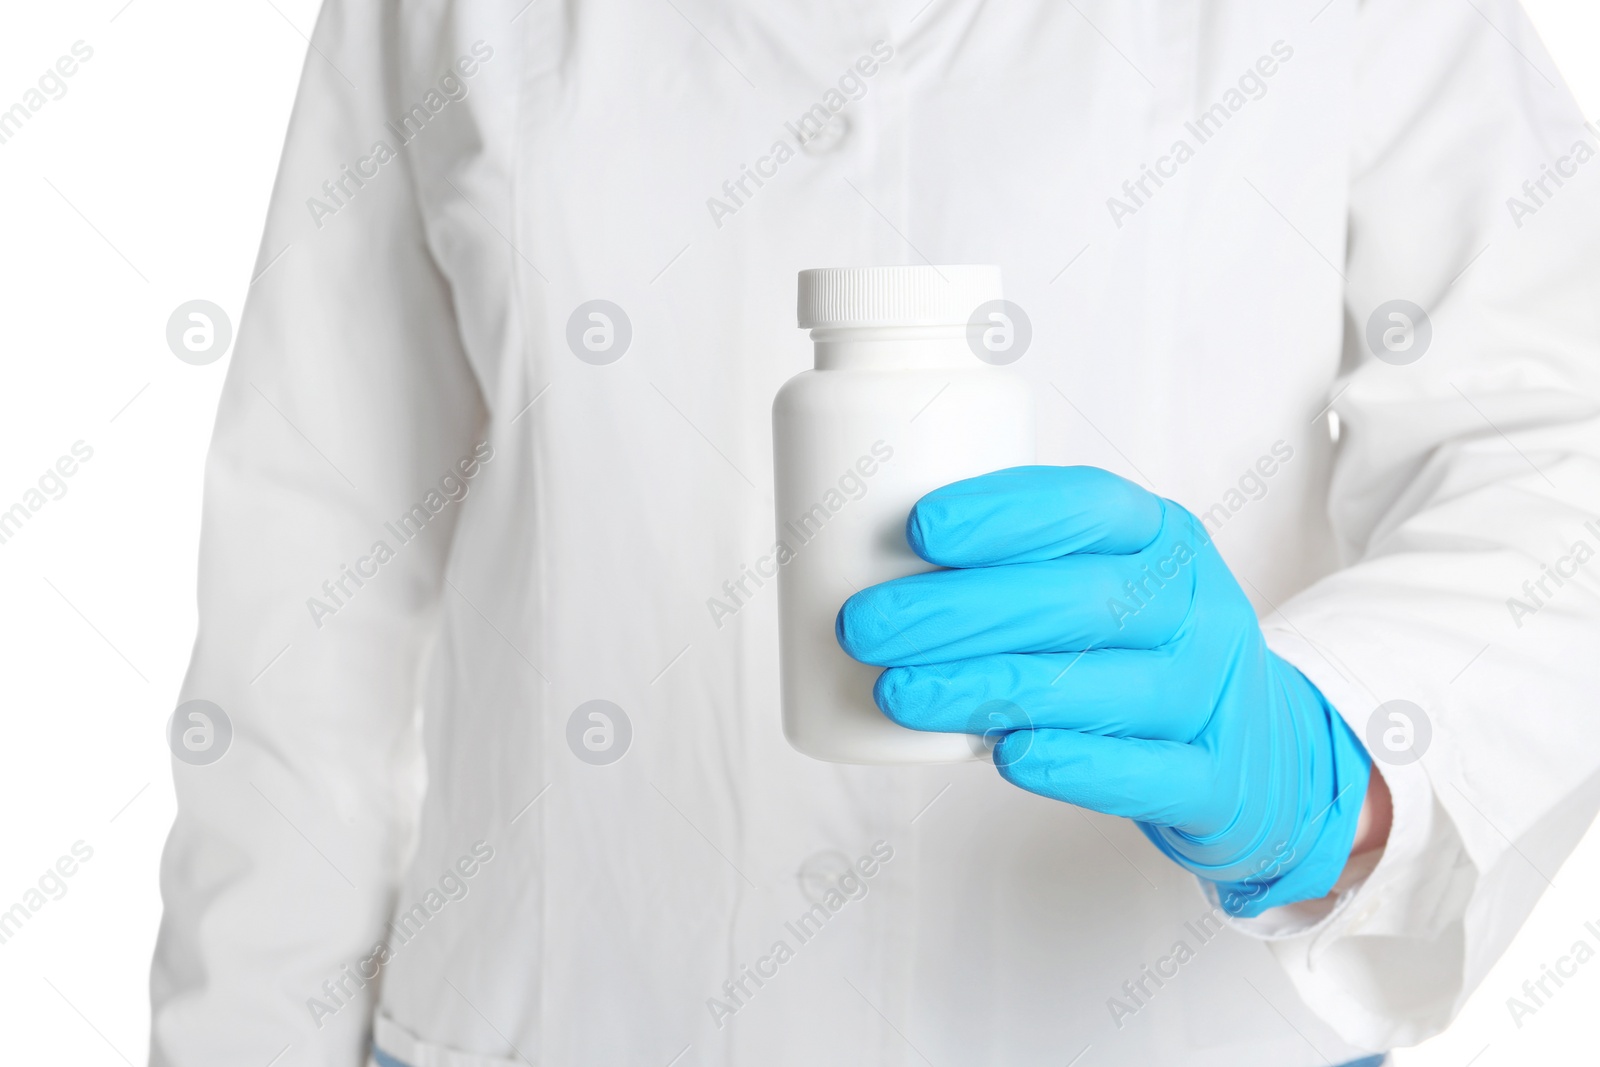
x: 895, y: 296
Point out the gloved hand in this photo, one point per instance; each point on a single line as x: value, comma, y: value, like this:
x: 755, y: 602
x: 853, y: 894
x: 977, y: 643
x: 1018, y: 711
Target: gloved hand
x: 1093, y: 627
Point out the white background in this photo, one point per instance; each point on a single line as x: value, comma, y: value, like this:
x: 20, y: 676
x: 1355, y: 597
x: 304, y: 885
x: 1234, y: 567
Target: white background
x: 143, y: 187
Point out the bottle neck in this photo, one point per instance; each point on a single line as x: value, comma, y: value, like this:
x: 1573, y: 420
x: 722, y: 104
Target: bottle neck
x: 891, y: 347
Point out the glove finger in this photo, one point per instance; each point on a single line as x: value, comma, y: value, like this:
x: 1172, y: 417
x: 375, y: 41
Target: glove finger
x: 1068, y: 604
x: 1160, y: 782
x: 1026, y: 514
x: 1113, y: 692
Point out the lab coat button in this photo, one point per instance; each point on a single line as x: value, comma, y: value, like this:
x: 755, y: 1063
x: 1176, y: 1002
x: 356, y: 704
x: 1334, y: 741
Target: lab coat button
x: 829, y: 139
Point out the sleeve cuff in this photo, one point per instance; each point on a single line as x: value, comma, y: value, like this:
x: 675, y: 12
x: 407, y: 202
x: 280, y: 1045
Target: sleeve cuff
x: 1414, y: 888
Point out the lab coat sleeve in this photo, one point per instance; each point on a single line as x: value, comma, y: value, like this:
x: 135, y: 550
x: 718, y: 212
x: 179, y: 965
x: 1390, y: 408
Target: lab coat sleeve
x: 1465, y: 494
x: 348, y: 405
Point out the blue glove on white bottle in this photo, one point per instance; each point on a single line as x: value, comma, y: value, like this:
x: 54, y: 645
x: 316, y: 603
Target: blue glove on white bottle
x: 1094, y: 629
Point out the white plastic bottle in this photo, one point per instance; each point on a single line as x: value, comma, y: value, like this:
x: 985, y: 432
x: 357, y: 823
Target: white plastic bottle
x: 898, y: 404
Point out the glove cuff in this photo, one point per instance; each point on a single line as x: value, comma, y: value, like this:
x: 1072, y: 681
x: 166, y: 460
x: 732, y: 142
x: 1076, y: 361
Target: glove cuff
x: 1322, y: 849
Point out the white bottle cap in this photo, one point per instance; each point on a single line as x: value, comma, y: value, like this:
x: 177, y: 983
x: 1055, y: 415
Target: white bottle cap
x: 895, y: 296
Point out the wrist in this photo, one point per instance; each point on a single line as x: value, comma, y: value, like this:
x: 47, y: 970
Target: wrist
x: 1377, y: 815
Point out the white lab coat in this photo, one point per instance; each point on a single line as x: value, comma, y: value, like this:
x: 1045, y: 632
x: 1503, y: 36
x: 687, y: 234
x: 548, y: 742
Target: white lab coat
x: 402, y: 749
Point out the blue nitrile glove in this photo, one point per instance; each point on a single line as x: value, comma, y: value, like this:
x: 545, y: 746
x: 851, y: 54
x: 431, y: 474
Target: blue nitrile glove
x: 1094, y: 629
